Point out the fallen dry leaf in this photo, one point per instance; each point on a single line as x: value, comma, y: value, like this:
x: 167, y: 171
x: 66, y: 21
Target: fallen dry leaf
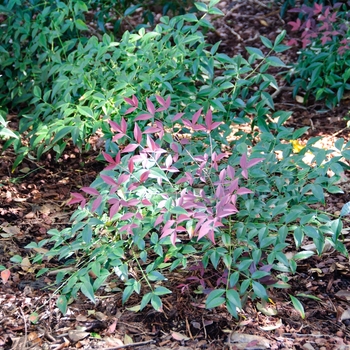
x: 5, y: 275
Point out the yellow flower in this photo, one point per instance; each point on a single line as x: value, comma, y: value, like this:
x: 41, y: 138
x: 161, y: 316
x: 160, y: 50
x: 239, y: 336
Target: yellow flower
x: 297, y: 146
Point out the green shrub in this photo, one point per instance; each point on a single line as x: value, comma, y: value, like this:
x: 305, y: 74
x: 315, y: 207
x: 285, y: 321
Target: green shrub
x: 323, y: 66
x: 165, y: 198
x: 5, y: 132
x: 80, y: 87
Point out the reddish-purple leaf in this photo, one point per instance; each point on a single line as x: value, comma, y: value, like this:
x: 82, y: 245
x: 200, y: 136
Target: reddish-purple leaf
x: 146, y: 202
x: 295, y: 25
x: 77, y: 198
x: 127, y: 216
x: 131, y: 101
x: 242, y: 190
x: 151, y: 130
x: 108, y: 180
x: 117, y: 137
x: 129, y: 110
x: 168, y: 161
x: 143, y: 116
x: 151, y: 144
x: 114, y: 208
x: 150, y: 106
x: 131, y: 165
x: 196, y: 116
x: 317, y: 8
x: 96, y: 203
x: 123, y: 178
x: 144, y: 176
x: 135, y: 100
x: 123, y: 125
x: 130, y: 148
x: 177, y: 116
x: 90, y: 190
x: 107, y: 157
x: 160, y: 100
x: 159, y: 220
x: 115, y: 126
x: 137, y: 133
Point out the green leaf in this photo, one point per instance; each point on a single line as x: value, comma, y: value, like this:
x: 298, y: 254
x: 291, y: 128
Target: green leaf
x: 233, y: 296
x: 259, y: 290
x: 80, y: 24
x: 303, y: 255
x: 87, y: 290
x: 62, y: 304
x: 16, y: 259
x: 127, y: 293
x: 87, y: 234
x: 85, y: 111
x: 145, y: 300
x: 275, y: 61
x: 178, y: 210
x: 310, y: 231
x: 303, y: 295
x: 255, y: 51
x: 155, y: 276
x: 298, y: 306
x: 280, y: 38
x: 267, y: 42
x: 215, y: 298
x: 201, y: 7
x: 161, y: 291
x: 231, y: 308
x: 158, y: 173
x: 156, y: 302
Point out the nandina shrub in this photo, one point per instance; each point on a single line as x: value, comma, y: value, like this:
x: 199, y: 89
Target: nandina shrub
x: 170, y: 195
x: 323, y: 66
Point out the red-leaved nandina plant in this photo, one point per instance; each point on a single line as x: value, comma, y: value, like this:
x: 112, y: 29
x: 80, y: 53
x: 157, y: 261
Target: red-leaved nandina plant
x: 323, y: 67
x: 195, y: 202
x: 173, y: 197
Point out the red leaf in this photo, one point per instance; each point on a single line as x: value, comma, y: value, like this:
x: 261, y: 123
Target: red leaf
x: 137, y: 133
x: 196, y: 116
x: 151, y: 130
x: 159, y: 220
x: 177, y: 116
x: 5, y: 275
x: 108, y: 180
x: 96, y: 203
x: 107, y: 157
x: 90, y: 190
x: 295, y: 25
x: 123, y: 125
x: 77, y: 198
x: 131, y: 165
x: 144, y: 176
x: 130, y: 148
x: 160, y: 100
x: 151, y: 144
x: 127, y: 216
x: 317, y: 8
x: 150, y: 106
x: 129, y: 110
x: 143, y: 117
x: 115, y: 126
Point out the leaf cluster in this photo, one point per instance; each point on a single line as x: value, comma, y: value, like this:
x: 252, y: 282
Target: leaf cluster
x: 71, y: 85
x: 166, y: 197
x: 323, y: 68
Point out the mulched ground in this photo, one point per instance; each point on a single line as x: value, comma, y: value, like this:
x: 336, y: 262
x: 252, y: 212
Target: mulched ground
x: 33, y: 201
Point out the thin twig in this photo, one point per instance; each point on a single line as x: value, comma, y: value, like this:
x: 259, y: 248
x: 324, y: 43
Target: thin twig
x: 131, y: 345
x: 233, y: 32
x: 25, y: 329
